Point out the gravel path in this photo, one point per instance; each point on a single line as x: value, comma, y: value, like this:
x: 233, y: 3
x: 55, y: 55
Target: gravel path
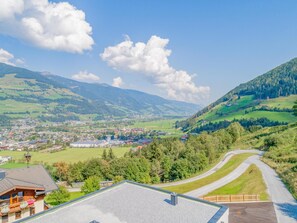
x: 226, y: 158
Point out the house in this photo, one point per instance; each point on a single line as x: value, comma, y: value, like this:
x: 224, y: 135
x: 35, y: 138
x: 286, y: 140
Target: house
x: 132, y: 202
x: 22, y: 192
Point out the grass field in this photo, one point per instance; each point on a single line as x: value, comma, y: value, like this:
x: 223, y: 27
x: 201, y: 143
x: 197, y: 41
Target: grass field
x: 13, y: 165
x: 241, y: 109
x: 281, y: 102
x: 232, y: 164
x: 69, y: 155
x: 250, y: 182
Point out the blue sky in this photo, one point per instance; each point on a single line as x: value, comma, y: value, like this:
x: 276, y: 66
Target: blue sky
x: 214, y: 45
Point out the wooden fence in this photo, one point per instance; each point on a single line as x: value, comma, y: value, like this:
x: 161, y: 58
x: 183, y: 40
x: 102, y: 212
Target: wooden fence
x: 232, y: 198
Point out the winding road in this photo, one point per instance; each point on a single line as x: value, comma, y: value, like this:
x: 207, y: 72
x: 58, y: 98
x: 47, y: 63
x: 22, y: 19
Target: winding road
x: 226, y: 158
x: 284, y: 204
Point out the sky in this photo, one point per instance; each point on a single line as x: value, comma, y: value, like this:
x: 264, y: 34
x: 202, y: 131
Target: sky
x: 192, y: 50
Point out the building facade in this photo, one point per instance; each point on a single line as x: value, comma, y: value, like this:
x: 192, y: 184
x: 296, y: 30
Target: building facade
x: 22, y: 192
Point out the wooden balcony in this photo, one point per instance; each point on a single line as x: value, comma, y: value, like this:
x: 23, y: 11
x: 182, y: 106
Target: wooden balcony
x: 15, y: 205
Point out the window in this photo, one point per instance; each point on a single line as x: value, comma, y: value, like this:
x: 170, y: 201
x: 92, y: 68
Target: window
x: 5, y: 197
x: 18, y: 215
x: 21, y: 194
x: 5, y: 219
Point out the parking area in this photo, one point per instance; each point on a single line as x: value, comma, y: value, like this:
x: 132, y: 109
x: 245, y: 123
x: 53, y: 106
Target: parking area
x: 251, y: 212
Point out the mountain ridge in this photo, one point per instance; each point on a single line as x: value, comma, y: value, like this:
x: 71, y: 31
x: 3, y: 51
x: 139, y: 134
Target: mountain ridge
x: 262, y: 97
x: 56, y: 95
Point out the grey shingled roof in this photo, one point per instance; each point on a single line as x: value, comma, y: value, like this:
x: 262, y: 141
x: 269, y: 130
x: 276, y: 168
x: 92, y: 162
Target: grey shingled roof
x: 130, y: 202
x: 31, y: 177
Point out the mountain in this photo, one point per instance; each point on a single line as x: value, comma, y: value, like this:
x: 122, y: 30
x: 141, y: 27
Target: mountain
x: 54, y: 98
x: 269, y: 96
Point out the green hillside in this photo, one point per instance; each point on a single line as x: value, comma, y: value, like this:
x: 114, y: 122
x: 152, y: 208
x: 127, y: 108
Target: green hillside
x: 280, y: 144
x: 270, y: 96
x: 24, y: 93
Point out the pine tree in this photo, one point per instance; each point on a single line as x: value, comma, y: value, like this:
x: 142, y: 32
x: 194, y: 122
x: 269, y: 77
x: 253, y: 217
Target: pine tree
x: 104, y: 155
x: 111, y: 154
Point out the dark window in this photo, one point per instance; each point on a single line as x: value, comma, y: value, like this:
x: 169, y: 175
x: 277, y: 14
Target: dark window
x: 18, y: 215
x: 5, y: 197
x: 21, y: 194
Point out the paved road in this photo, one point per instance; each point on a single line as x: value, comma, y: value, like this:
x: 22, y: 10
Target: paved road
x: 226, y: 158
x: 224, y: 180
x: 284, y: 203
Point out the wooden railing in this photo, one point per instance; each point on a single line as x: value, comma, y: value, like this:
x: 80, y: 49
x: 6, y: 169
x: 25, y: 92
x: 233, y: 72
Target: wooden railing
x: 232, y: 198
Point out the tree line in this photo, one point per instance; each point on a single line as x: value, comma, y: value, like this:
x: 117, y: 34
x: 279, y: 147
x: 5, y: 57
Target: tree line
x: 163, y: 160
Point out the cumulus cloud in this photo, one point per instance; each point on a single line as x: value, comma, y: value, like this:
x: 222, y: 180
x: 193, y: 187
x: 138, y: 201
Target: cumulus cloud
x: 56, y: 26
x: 8, y: 58
x: 85, y: 76
x: 151, y: 59
x: 117, y: 82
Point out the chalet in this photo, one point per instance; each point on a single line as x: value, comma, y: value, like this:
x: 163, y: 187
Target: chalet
x: 22, y: 192
x: 130, y: 202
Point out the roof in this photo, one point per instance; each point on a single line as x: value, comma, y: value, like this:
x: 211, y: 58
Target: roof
x: 35, y: 177
x: 129, y: 202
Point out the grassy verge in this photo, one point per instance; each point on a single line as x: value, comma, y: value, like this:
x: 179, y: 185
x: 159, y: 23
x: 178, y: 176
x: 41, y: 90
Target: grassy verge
x: 13, y: 165
x: 232, y: 164
x: 250, y: 182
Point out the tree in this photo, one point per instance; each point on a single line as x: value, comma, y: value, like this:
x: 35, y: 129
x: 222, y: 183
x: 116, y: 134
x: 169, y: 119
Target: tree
x: 104, y: 155
x: 75, y: 172
x: 111, y: 155
x: 295, y: 108
x: 59, y: 196
x: 91, y: 184
x: 61, y: 170
x: 117, y: 179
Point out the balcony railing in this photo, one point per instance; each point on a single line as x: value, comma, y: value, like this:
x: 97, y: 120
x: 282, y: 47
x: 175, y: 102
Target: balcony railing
x: 10, y: 206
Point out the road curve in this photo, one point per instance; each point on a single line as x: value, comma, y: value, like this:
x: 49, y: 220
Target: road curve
x: 226, y: 158
x: 224, y: 180
x: 284, y: 204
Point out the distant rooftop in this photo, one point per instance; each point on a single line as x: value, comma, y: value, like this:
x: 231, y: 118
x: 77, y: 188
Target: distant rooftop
x: 33, y: 177
x: 129, y: 202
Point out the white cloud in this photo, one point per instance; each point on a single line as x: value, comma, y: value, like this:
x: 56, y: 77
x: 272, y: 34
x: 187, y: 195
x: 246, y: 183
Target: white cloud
x: 151, y: 59
x: 117, y: 82
x: 6, y: 57
x: 85, y: 76
x: 56, y: 26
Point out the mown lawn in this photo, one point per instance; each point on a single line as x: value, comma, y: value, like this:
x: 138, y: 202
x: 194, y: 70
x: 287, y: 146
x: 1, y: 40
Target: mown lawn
x: 69, y: 155
x: 232, y: 164
x: 250, y: 182
x: 13, y: 165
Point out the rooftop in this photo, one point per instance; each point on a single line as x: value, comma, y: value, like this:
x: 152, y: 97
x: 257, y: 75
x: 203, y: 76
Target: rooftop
x: 129, y: 202
x: 33, y: 177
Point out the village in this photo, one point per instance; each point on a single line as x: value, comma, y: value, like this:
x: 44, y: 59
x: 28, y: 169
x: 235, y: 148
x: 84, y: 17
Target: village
x: 27, y: 134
